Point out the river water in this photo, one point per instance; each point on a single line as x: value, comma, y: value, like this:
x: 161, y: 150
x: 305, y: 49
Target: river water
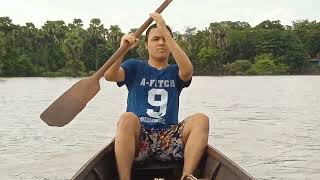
x: 269, y: 125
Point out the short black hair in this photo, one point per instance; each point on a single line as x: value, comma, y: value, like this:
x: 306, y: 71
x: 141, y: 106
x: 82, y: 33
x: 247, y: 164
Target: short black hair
x: 155, y: 26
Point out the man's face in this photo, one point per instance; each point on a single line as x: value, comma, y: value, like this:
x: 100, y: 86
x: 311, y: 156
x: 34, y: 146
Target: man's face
x: 157, y: 46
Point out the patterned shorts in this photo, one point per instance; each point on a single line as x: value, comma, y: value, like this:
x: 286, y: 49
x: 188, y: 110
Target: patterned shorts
x: 163, y: 145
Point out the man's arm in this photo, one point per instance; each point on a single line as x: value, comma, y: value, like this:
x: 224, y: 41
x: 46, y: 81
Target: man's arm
x: 181, y: 58
x: 116, y: 73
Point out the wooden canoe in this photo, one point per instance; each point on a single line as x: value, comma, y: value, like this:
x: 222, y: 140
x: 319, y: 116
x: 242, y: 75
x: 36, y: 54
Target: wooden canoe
x: 213, y: 166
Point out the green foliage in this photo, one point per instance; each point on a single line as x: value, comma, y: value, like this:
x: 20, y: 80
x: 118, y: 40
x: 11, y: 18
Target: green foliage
x: 315, y: 69
x: 239, y: 67
x: 309, y: 34
x: 20, y: 66
x: 207, y: 60
x: 73, y: 49
x: 311, y: 68
x: 270, y: 25
x: 284, y: 46
x: 233, y: 48
x: 266, y: 65
x: 242, y: 45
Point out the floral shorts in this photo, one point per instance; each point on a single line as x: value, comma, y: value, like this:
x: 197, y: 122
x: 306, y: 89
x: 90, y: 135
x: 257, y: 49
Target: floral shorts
x: 163, y: 145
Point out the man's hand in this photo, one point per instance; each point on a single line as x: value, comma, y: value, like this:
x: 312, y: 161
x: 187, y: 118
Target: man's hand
x: 158, y: 19
x: 131, y: 39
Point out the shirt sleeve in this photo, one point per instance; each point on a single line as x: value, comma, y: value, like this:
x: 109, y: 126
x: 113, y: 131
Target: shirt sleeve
x: 129, y: 68
x: 181, y: 84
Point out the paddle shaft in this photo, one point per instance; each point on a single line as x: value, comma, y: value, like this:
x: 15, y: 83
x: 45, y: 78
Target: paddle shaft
x: 123, y: 49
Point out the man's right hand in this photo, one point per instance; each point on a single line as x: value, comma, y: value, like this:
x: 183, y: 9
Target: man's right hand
x: 131, y: 39
x: 115, y: 72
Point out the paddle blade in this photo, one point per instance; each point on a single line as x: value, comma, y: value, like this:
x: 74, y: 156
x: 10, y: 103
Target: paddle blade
x: 69, y: 104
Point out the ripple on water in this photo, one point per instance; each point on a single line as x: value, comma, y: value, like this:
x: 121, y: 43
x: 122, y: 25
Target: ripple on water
x: 268, y: 125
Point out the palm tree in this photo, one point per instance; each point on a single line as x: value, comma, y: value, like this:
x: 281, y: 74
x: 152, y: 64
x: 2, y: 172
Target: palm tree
x: 96, y: 33
x: 78, y: 23
x: 73, y: 49
x: 218, y: 38
x: 6, y: 25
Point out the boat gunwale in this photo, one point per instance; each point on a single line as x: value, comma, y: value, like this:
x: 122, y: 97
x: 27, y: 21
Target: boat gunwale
x: 224, y: 160
x: 211, y: 151
x: 86, y: 168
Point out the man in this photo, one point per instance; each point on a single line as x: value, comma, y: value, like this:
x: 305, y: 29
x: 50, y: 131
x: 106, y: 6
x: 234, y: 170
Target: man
x: 150, y: 128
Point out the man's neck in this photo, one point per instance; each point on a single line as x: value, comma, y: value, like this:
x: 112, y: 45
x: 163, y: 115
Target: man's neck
x: 158, y: 64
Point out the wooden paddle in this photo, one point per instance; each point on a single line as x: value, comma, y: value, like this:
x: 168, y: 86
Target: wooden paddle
x: 73, y: 101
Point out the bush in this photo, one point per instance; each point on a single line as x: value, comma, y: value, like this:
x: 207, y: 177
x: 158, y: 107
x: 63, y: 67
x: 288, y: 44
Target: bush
x: 268, y: 67
x: 239, y: 67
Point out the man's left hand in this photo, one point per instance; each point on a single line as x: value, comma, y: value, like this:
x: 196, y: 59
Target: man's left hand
x: 158, y: 19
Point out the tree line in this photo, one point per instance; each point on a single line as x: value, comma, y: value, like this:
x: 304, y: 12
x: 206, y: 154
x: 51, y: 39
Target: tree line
x: 222, y: 48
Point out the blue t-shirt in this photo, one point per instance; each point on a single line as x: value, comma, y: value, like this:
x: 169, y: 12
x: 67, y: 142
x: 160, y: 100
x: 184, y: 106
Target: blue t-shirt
x: 153, y: 94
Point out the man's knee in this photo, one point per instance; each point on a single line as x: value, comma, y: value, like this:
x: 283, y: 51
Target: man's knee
x: 201, y: 119
x: 197, y: 122
x: 201, y: 116
x: 128, y: 121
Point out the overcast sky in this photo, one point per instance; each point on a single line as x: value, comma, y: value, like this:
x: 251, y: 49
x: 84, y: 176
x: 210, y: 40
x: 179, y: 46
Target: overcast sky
x: 179, y: 14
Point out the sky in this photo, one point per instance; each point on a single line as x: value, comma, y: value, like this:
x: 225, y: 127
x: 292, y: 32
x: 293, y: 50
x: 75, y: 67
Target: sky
x: 180, y: 14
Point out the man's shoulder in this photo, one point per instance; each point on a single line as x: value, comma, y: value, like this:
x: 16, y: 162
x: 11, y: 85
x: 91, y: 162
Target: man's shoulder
x: 132, y: 63
x: 173, y: 67
x: 135, y: 61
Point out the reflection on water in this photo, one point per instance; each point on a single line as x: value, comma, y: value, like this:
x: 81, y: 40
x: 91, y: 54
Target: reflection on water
x: 269, y: 125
